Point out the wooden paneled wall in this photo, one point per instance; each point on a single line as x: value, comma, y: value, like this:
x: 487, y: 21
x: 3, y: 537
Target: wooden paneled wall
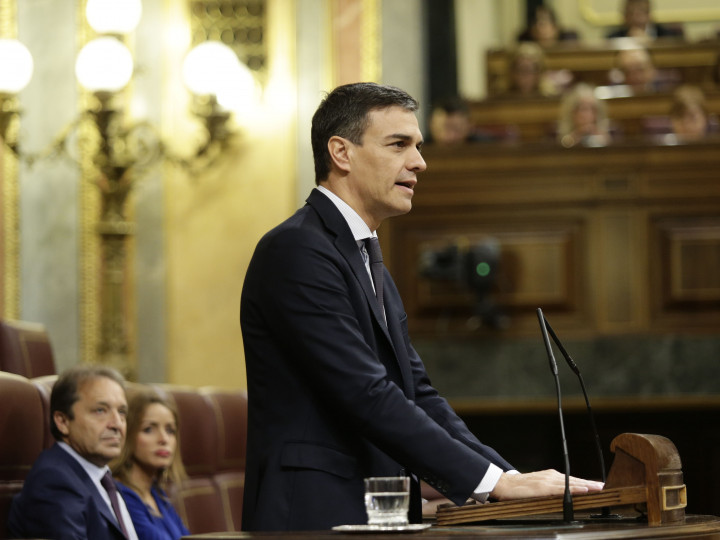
x: 614, y: 240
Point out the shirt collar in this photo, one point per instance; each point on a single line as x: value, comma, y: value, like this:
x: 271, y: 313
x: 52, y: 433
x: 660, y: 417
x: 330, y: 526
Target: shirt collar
x: 93, y: 471
x: 358, y: 227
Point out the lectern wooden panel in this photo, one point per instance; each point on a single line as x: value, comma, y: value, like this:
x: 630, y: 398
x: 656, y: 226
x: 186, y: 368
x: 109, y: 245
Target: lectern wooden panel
x: 646, y: 474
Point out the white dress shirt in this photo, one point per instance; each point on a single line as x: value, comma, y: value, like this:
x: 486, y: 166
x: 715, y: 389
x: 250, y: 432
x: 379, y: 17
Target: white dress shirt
x: 96, y: 473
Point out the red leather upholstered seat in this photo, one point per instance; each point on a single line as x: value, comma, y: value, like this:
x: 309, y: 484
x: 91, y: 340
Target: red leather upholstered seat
x: 21, y: 437
x: 25, y: 349
x: 231, y: 412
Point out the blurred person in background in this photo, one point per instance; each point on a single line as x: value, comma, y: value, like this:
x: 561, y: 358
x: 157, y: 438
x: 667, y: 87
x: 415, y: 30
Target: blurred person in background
x: 639, y: 24
x: 528, y: 77
x: 450, y: 122
x: 635, y: 69
x: 149, y: 462
x: 689, y: 115
x: 583, y: 118
x: 544, y: 30
x: 715, y: 72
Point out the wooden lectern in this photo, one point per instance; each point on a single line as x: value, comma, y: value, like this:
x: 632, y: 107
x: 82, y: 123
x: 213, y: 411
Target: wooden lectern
x: 646, y: 474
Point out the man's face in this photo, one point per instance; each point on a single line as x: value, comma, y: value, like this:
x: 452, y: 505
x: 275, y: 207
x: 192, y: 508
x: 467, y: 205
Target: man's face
x: 449, y: 128
x: 383, y: 169
x: 637, y: 14
x: 97, y: 430
x: 544, y: 31
x: 526, y: 74
x: 692, y: 124
x: 637, y: 68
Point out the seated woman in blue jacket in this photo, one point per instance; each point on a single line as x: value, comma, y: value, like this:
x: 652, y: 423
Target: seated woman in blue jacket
x: 149, y: 461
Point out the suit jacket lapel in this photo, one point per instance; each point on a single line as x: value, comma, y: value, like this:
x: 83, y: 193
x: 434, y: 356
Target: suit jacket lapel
x: 347, y: 246
x: 91, y: 488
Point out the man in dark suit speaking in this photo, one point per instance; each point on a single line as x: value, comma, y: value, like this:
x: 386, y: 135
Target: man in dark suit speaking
x: 336, y: 391
x: 69, y: 494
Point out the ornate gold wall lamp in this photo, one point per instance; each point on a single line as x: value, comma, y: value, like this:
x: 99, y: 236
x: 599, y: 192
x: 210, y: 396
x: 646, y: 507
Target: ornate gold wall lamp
x: 15, y: 74
x: 121, y: 150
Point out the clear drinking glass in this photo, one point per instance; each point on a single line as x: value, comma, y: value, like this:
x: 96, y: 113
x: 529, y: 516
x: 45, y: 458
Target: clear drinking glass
x: 387, y: 500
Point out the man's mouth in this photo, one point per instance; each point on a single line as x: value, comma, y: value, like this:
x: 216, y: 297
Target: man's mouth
x: 410, y: 184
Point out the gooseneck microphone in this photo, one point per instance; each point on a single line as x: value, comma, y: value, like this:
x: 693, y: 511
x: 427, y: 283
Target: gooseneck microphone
x: 576, y: 370
x: 573, y: 366
x: 568, y: 512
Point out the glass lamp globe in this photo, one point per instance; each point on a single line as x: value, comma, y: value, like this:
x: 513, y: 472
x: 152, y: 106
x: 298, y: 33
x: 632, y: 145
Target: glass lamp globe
x: 113, y: 16
x: 16, y: 66
x: 104, y: 65
x: 239, y: 91
x: 208, y: 66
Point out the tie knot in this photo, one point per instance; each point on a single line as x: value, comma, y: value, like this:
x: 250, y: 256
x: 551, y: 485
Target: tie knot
x: 372, y: 245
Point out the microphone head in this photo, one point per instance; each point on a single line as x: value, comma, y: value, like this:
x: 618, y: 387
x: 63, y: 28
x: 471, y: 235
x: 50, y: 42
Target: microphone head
x: 546, y: 340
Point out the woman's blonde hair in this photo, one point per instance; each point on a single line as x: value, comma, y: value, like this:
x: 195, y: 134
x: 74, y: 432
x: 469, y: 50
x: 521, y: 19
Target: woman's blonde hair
x: 685, y: 98
x: 570, y: 102
x: 138, y: 403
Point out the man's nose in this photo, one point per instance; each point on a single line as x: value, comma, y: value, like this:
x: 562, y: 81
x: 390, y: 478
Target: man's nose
x: 117, y: 420
x: 417, y: 163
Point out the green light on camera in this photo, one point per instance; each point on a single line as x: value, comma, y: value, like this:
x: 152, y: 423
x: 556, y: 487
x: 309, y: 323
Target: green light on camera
x: 483, y: 269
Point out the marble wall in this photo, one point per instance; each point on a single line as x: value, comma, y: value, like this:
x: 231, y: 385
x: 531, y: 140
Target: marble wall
x: 49, y: 191
x: 612, y: 367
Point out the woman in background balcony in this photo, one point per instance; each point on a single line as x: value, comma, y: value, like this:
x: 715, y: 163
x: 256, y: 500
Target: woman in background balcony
x: 544, y: 29
x: 689, y: 115
x: 528, y: 77
x: 583, y: 118
x: 149, y: 462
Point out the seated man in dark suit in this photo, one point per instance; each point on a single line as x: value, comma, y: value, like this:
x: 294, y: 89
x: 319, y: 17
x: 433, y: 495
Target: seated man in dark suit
x: 336, y: 391
x: 639, y: 24
x: 69, y: 493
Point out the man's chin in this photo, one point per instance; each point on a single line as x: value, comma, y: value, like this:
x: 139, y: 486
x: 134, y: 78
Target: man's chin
x: 404, y: 208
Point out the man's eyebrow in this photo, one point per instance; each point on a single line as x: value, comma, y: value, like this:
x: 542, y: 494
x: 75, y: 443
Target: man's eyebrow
x: 398, y: 136
x: 103, y: 403
x: 402, y: 137
x: 100, y: 403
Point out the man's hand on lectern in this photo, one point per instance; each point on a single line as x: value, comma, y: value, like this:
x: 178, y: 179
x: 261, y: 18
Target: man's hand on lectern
x: 539, y: 484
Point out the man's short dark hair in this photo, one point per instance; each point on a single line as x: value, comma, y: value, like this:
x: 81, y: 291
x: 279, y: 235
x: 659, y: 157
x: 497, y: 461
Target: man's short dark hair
x: 65, y: 390
x: 344, y: 112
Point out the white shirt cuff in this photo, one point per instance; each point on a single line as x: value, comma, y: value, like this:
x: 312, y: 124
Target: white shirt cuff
x: 487, y: 484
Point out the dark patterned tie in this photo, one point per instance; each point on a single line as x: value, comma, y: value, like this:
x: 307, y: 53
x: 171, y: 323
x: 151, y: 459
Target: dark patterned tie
x: 109, y: 485
x: 376, y: 267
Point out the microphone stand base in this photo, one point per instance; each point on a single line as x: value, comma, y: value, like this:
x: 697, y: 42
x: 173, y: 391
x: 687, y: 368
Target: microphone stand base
x: 608, y: 517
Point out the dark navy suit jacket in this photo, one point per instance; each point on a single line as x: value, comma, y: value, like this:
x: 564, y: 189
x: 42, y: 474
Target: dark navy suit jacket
x: 59, y: 501
x: 335, y: 394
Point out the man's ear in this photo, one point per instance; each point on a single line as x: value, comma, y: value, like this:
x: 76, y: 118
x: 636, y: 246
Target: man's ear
x: 340, y: 150
x: 61, y: 422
